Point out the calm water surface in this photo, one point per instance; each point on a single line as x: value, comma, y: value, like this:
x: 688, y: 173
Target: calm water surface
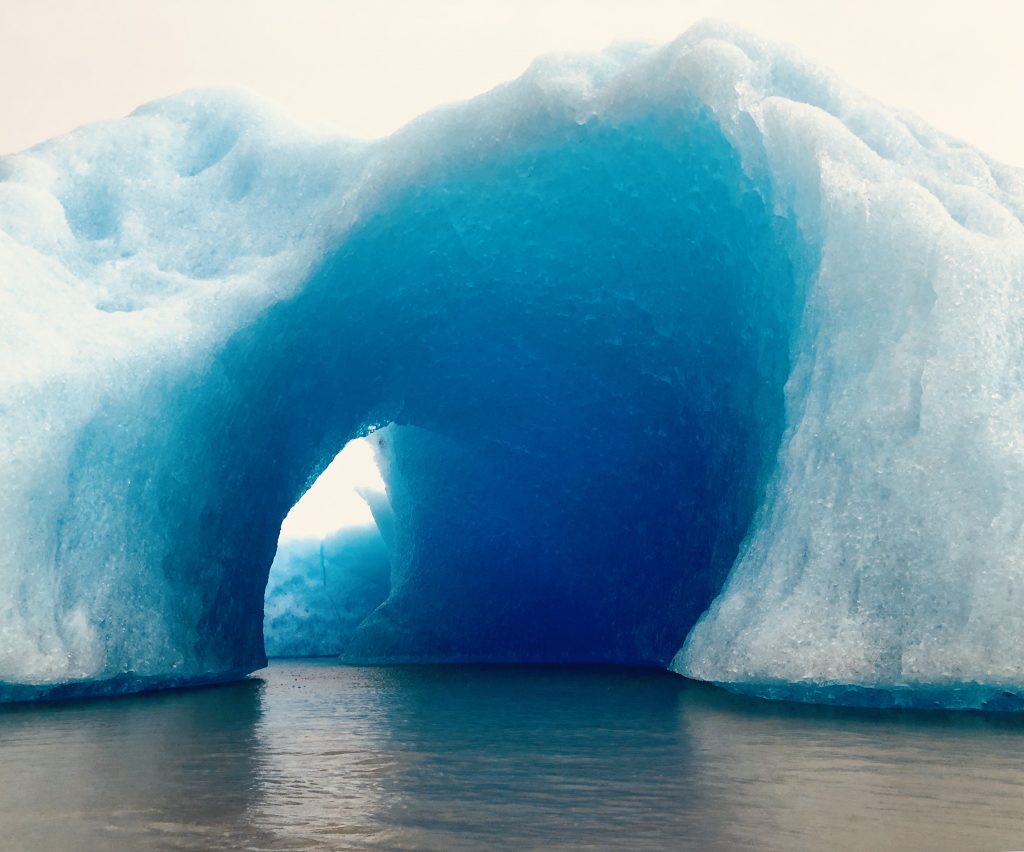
x: 315, y: 755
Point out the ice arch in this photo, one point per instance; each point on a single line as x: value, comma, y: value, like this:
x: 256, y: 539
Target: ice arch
x: 553, y: 465
x: 642, y: 321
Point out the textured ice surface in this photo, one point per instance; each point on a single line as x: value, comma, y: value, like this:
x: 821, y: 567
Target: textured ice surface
x: 320, y: 591
x: 647, y: 322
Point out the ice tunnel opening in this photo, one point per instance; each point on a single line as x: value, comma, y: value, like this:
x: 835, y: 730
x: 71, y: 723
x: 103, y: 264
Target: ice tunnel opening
x: 331, y: 568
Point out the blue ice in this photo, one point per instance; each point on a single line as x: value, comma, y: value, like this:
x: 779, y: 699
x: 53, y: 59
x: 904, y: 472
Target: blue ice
x: 695, y: 357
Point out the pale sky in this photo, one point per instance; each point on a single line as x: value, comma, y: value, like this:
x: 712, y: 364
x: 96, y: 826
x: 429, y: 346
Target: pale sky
x: 332, y: 501
x: 367, y: 67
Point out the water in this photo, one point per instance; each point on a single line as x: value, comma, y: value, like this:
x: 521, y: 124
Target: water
x: 314, y: 755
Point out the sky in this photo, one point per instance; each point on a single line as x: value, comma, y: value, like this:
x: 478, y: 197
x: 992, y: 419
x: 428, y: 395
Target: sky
x: 365, y: 68
x: 332, y: 501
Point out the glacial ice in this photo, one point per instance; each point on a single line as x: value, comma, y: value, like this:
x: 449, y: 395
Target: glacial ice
x: 695, y: 357
x: 320, y: 590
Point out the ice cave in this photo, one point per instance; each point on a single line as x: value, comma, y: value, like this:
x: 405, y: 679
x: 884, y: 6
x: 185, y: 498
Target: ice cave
x: 688, y: 356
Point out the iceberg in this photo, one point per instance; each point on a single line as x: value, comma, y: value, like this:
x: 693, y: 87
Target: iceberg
x: 690, y: 356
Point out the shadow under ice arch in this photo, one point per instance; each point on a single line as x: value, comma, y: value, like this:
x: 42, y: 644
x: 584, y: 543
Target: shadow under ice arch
x: 646, y: 324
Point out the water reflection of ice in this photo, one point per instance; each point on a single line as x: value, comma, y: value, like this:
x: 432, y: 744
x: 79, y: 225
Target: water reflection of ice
x: 167, y: 771
x: 322, y: 756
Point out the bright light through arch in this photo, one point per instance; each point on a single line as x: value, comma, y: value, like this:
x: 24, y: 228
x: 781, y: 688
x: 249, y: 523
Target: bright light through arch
x: 333, y: 502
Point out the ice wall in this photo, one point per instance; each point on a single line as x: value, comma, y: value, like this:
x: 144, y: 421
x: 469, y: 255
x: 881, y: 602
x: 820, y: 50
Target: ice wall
x: 646, y: 322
